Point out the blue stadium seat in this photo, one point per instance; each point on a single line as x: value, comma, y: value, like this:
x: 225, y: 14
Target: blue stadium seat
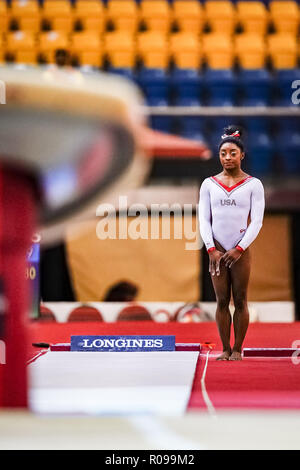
x: 220, y: 87
x: 192, y: 127
x: 283, y: 83
x: 288, y: 147
x: 256, y: 87
x: 187, y: 87
x: 259, y: 153
x: 155, y: 84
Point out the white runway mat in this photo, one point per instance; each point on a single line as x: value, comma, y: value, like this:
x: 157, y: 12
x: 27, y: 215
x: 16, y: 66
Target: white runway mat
x: 112, y: 383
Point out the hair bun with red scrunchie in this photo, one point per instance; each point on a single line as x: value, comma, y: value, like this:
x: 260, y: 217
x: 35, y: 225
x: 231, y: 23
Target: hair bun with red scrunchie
x: 232, y: 131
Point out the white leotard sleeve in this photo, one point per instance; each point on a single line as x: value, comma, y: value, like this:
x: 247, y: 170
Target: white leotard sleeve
x: 205, y: 216
x: 256, y: 214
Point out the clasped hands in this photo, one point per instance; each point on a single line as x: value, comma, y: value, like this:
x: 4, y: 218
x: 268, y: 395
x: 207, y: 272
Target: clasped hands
x: 216, y: 257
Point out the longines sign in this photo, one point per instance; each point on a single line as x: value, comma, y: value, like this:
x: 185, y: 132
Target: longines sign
x: 123, y: 343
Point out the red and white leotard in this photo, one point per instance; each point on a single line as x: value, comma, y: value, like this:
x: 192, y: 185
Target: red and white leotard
x: 224, y: 212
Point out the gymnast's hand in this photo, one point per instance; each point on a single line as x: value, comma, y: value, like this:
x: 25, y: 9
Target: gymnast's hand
x: 231, y: 257
x: 214, y: 262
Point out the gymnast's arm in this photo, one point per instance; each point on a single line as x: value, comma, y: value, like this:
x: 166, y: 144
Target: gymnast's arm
x: 205, y: 217
x: 256, y: 214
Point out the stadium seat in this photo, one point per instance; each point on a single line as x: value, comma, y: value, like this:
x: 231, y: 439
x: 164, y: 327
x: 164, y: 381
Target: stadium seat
x: 123, y: 14
x: 84, y: 313
x: 120, y: 48
x: 288, y: 147
x: 3, y: 17
x: 22, y: 46
x: 220, y: 16
x: 283, y: 50
x: 218, y: 50
x: 86, y: 48
x: 155, y: 84
x: 185, y: 49
x: 156, y: 15
x: 285, y: 16
x: 153, y: 49
x: 188, y: 15
x: 250, y: 49
x: 187, y: 87
x: 260, y: 153
x: 221, y: 87
x: 58, y: 15
x: 89, y: 15
x: 46, y: 315
x: 50, y: 42
x: 256, y: 87
x: 283, y: 84
x: 25, y: 16
x: 253, y: 17
x: 134, y: 313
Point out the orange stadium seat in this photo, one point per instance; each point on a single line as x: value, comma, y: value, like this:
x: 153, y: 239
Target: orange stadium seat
x: 58, y: 15
x: 3, y: 17
x: 156, y: 15
x: 50, y: 42
x: 282, y: 48
x: 153, y: 49
x: 220, y: 16
x: 250, y: 49
x: 87, y: 49
x: 188, y: 15
x: 22, y: 46
x: 253, y: 16
x: 218, y: 50
x: 123, y: 14
x: 285, y: 16
x: 26, y: 15
x: 120, y: 48
x: 185, y: 49
x: 90, y: 15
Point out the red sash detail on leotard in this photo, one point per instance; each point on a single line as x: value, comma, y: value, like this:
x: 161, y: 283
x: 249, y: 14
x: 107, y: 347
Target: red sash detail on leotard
x: 230, y: 188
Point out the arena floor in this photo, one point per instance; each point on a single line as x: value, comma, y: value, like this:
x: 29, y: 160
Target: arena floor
x: 252, y: 404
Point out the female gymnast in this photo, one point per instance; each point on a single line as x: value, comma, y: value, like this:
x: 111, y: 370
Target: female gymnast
x: 231, y: 210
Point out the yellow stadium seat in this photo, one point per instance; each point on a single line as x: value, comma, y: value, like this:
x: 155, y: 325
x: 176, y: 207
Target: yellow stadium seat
x: 26, y: 14
x: 50, y: 42
x: 282, y: 48
x: 253, y: 16
x: 250, y: 49
x: 285, y: 16
x: 153, y: 48
x: 22, y: 46
x: 220, y: 16
x: 120, y: 47
x: 58, y: 14
x: 3, y: 17
x: 218, y: 50
x: 156, y: 15
x: 188, y: 15
x: 123, y: 14
x: 186, y: 50
x: 90, y: 14
x: 87, y: 48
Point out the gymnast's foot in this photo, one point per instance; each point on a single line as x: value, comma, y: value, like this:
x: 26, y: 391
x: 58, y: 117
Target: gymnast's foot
x: 235, y: 356
x: 224, y: 356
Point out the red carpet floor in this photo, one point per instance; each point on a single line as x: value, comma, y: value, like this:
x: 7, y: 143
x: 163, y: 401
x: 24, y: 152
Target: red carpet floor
x: 252, y: 383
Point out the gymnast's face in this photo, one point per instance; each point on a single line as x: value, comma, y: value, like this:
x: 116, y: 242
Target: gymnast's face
x: 230, y: 156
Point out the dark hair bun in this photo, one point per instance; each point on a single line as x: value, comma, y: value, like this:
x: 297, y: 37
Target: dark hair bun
x: 233, y: 131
